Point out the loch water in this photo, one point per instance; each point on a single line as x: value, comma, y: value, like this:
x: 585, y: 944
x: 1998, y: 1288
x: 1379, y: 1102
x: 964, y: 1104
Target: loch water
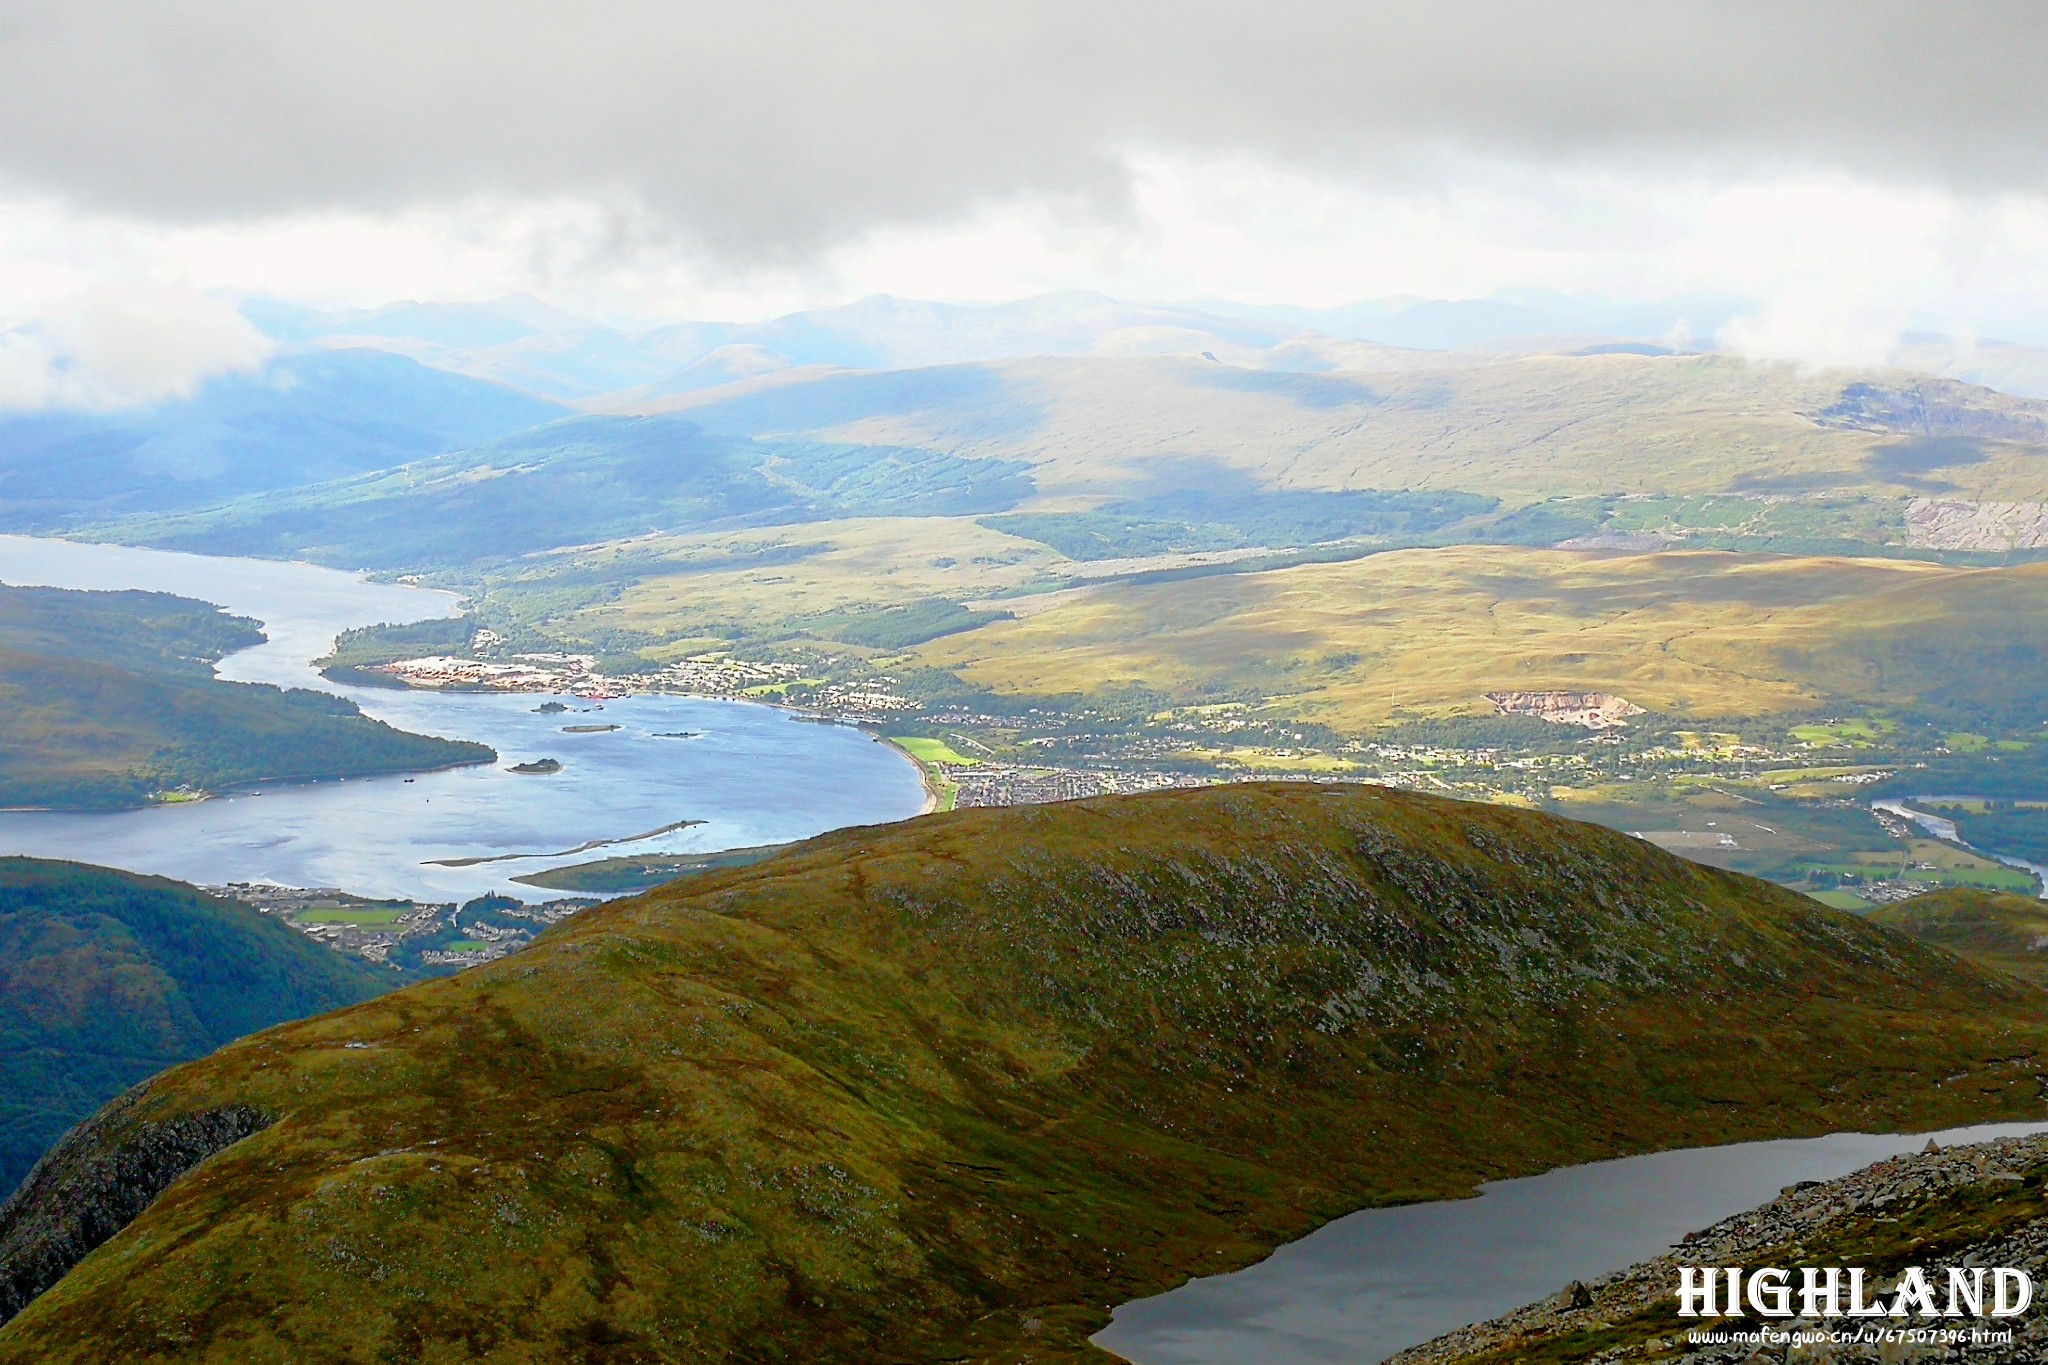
x: 749, y: 774
x: 1378, y: 1281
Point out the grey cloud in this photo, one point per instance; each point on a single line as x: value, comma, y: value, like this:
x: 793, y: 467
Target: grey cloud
x: 766, y: 129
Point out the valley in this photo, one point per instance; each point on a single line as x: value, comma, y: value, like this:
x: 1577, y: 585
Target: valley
x: 1034, y: 597
x: 749, y: 775
x: 1097, y: 574
x: 958, y: 1084
x: 1039, y: 684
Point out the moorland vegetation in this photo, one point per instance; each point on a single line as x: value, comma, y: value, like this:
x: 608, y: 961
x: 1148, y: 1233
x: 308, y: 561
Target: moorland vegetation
x: 953, y: 1087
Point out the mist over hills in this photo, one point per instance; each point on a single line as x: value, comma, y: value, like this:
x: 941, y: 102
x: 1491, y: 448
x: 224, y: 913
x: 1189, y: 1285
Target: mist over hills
x: 525, y: 343
x: 302, y: 419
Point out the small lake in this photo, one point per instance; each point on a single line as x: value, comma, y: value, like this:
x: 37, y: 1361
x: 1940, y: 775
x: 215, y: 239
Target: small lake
x: 1381, y: 1280
x: 750, y: 774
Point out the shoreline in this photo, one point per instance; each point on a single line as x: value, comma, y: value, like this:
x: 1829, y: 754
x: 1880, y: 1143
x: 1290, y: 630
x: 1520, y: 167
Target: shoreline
x: 256, y: 786
x: 934, y: 795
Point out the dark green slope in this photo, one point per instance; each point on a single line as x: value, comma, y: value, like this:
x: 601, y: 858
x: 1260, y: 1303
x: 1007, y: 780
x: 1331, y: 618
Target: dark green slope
x: 109, y: 697
x: 949, y: 1089
x: 107, y: 977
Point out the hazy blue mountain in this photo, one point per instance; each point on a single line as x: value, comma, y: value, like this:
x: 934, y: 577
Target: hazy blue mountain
x: 882, y: 332
x: 1505, y: 317
x: 303, y: 419
x: 583, y: 480
x: 527, y: 344
x: 524, y: 343
x: 732, y: 364
x: 517, y: 341
x: 492, y: 323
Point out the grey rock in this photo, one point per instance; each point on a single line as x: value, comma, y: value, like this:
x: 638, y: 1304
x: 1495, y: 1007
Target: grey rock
x: 96, y: 1181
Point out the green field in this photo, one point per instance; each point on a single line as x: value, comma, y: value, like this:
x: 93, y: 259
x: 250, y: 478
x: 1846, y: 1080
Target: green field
x: 364, y: 916
x: 930, y: 750
x: 1860, y: 732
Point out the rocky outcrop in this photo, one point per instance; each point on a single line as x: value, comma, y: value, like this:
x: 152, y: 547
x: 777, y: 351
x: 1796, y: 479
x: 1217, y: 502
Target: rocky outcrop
x: 1952, y: 524
x: 96, y: 1182
x: 1935, y: 407
x: 1594, y: 710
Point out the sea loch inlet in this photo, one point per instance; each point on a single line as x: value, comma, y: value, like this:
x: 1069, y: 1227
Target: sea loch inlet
x: 751, y: 774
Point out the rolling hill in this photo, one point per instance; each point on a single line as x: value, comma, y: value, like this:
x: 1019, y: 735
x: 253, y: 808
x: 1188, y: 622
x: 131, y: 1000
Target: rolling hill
x: 109, y: 699
x: 1995, y: 930
x: 1523, y: 429
x: 579, y: 481
x: 1186, y: 453
x: 1433, y: 631
x: 107, y: 978
x: 951, y: 1088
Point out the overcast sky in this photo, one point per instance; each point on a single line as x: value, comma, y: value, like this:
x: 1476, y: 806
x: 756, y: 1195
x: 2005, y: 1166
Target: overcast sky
x: 1855, y: 167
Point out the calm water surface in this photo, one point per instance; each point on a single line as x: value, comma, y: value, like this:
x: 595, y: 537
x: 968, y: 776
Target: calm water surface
x: 1378, y: 1281
x: 753, y: 774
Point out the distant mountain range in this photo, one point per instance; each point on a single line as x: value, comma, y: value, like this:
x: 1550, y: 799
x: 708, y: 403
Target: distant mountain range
x: 526, y: 344
x: 1181, y: 452
x: 302, y: 419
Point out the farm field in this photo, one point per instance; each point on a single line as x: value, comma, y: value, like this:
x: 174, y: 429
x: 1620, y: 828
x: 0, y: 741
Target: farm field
x: 360, y: 915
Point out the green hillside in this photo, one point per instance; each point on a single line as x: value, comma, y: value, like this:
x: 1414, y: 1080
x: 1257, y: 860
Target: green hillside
x: 949, y: 1089
x: 1107, y: 458
x: 107, y: 977
x: 2003, y: 932
x: 579, y: 481
x: 108, y: 699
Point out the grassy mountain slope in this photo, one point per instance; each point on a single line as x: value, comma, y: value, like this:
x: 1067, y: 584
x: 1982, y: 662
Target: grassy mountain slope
x: 579, y: 481
x: 1192, y: 453
x: 1522, y: 430
x: 1704, y: 634
x: 302, y: 420
x: 107, y: 977
x: 109, y: 697
x: 951, y: 1088
x: 2002, y: 932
